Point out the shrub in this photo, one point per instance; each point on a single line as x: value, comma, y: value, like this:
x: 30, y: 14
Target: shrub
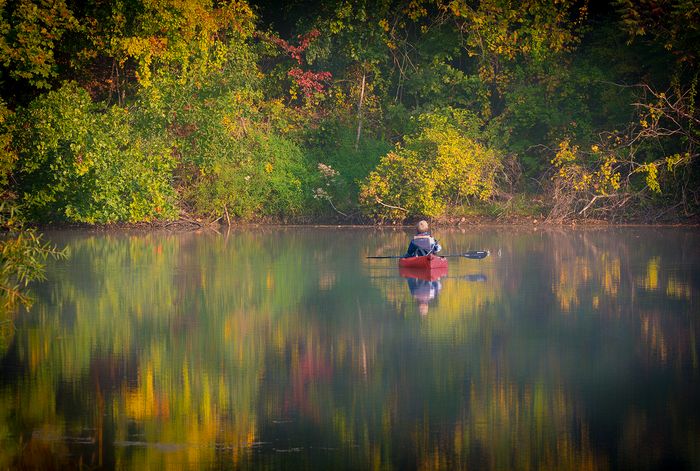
x: 8, y: 156
x: 442, y: 164
x: 260, y: 175
x: 333, y: 145
x: 84, y: 163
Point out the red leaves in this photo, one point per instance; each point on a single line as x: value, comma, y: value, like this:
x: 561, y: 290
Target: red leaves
x: 308, y: 82
x: 296, y: 51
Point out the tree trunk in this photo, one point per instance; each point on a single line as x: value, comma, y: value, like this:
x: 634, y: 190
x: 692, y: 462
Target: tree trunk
x: 359, y: 110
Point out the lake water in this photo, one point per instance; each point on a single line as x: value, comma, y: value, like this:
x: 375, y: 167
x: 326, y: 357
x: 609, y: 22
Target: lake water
x: 286, y: 347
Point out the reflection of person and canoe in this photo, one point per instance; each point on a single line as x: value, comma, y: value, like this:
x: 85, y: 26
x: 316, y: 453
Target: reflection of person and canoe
x: 424, y: 283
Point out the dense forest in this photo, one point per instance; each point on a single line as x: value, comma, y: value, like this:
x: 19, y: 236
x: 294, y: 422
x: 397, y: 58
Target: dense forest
x: 348, y: 111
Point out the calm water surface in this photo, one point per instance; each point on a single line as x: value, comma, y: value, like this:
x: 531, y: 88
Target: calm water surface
x: 267, y: 348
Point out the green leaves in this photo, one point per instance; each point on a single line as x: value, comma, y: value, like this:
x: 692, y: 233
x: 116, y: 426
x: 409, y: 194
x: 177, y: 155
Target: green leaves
x: 22, y: 257
x: 205, y: 101
x: 29, y: 33
x: 84, y: 163
x: 443, y: 164
x: 259, y: 175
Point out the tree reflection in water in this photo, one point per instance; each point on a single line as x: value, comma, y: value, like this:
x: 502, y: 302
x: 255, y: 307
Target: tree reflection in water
x: 571, y: 350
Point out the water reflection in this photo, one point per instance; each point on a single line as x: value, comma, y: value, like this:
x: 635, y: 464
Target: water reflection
x: 424, y: 285
x: 274, y: 347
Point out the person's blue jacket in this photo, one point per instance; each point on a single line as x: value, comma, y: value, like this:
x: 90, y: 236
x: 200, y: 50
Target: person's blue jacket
x: 422, y: 244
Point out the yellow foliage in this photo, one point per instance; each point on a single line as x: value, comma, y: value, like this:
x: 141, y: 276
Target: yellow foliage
x: 608, y: 179
x: 572, y: 172
x: 416, y: 10
x: 652, y: 176
x: 183, y: 33
x: 673, y: 160
x: 566, y: 154
x: 441, y: 165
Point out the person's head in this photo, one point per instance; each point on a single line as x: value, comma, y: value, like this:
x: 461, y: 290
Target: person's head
x: 423, y: 309
x: 422, y: 226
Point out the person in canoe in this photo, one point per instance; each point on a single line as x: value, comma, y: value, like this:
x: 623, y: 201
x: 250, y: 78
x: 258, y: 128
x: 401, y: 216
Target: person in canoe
x: 422, y: 243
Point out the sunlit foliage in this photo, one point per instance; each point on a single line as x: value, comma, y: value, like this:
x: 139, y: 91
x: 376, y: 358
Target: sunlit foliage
x: 221, y: 91
x: 441, y: 165
x: 81, y: 162
x: 30, y: 32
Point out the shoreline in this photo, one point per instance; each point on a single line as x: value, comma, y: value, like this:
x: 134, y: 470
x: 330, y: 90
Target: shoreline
x: 462, y: 223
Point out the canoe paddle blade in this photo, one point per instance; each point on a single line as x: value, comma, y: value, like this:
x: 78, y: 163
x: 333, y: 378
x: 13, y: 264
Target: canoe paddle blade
x: 476, y: 254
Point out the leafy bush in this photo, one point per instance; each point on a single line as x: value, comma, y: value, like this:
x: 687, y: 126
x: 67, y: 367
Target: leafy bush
x: 234, y: 158
x: 260, y: 175
x: 442, y: 164
x: 333, y: 145
x: 81, y: 162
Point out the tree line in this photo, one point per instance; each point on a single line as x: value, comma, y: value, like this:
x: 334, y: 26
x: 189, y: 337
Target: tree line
x: 351, y: 111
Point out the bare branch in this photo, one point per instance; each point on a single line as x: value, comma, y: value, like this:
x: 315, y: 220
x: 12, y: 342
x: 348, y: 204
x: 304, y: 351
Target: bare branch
x: 390, y: 206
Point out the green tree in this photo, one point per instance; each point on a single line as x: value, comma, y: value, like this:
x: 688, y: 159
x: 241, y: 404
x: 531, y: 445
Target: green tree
x: 79, y: 161
x: 503, y: 34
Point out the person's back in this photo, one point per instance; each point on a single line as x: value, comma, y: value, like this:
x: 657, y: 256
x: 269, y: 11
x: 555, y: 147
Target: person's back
x: 422, y: 243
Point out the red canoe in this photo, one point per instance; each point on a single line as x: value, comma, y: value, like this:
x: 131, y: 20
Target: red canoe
x: 427, y: 262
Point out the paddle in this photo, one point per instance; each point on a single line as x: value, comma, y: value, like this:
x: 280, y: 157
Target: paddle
x: 473, y: 254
